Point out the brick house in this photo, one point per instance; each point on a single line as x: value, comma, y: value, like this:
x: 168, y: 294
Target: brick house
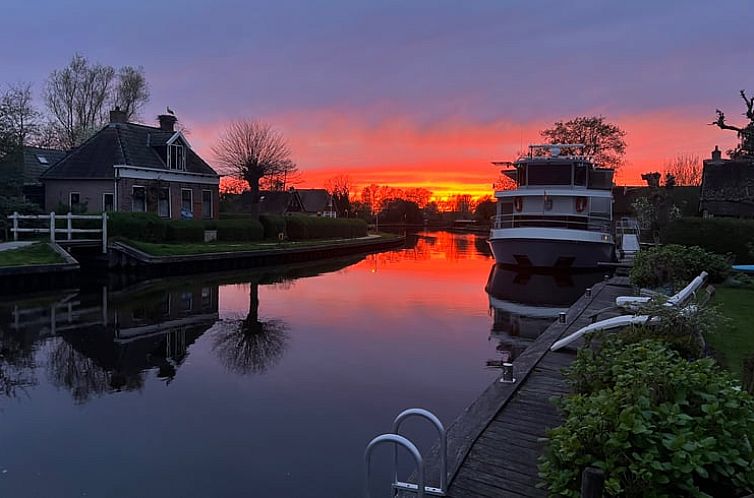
x: 727, y: 187
x: 130, y: 167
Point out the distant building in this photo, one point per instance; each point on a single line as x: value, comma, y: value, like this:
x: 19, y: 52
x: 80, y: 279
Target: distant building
x: 27, y: 165
x: 131, y: 167
x: 312, y: 202
x: 727, y: 187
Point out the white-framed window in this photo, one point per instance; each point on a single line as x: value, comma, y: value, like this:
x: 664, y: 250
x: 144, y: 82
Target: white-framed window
x: 163, y: 202
x: 138, y: 199
x: 187, y: 202
x: 176, y: 156
x: 108, y: 201
x: 206, y: 204
x: 74, y: 200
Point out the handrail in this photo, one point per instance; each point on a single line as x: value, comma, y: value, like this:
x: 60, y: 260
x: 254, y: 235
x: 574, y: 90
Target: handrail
x: 427, y: 415
x: 592, y: 223
x: 398, y: 440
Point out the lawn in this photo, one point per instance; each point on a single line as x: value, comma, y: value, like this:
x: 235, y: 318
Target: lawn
x: 187, y: 248
x: 735, y: 339
x: 35, y: 254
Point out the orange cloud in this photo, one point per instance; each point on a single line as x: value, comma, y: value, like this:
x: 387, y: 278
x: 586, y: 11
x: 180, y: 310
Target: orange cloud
x: 454, y: 155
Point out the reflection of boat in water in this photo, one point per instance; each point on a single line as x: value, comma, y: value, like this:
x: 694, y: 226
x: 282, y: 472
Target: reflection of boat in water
x: 524, y: 303
x: 559, y: 215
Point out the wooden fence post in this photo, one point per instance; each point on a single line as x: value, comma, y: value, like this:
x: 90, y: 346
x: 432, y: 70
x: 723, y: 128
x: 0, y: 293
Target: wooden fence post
x: 592, y: 483
x: 15, y: 225
x: 70, y: 226
x: 52, y: 227
x: 104, y: 233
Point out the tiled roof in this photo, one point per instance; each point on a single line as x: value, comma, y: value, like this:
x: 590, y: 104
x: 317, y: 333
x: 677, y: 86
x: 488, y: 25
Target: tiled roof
x: 122, y: 143
x: 274, y: 202
x: 37, y: 160
x: 314, y: 200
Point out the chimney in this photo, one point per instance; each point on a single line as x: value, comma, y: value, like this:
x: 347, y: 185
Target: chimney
x: 167, y: 122
x: 716, y: 154
x: 118, y: 116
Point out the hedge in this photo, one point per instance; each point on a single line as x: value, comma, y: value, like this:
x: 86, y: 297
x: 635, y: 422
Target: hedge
x: 184, y: 231
x: 676, y: 265
x: 273, y: 225
x: 238, y: 230
x: 146, y: 227
x: 656, y: 424
x: 309, y: 227
x: 718, y: 235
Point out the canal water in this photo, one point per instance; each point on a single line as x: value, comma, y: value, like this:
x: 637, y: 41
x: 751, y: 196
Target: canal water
x: 256, y: 383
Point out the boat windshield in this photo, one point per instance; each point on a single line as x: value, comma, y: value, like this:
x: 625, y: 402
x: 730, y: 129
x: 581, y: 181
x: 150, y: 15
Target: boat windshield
x: 549, y: 174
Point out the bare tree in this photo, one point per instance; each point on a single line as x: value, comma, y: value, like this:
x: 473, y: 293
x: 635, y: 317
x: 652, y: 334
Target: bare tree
x: 19, y: 120
x: 131, y: 92
x: 80, y: 95
x: 745, y: 133
x: 252, y: 150
x: 602, y: 140
x: 686, y: 169
x: 340, y: 189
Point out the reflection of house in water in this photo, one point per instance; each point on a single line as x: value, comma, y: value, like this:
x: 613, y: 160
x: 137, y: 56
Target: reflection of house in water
x: 102, y: 342
x: 523, y: 304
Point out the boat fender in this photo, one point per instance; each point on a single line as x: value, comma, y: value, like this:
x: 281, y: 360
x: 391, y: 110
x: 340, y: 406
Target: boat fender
x: 581, y: 204
x: 518, y: 204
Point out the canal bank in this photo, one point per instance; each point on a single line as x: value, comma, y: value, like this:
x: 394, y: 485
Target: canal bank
x: 124, y: 257
x: 495, y: 444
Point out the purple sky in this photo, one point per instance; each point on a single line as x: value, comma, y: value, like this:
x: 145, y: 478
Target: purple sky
x: 423, y: 62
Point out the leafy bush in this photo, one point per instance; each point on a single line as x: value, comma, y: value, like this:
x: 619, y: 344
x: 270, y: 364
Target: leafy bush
x: 147, y: 227
x: 184, y: 231
x: 309, y: 227
x: 656, y: 424
x: 239, y: 230
x: 718, y: 235
x: 676, y: 265
x: 273, y: 225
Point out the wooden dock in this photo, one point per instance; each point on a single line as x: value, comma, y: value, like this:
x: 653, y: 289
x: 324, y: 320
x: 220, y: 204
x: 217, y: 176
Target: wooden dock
x: 494, y: 446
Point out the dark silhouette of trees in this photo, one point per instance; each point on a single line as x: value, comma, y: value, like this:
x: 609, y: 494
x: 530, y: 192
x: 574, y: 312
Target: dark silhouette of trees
x: 686, y: 169
x: 401, y: 211
x: 485, y: 210
x: 603, y: 141
x: 250, y: 345
x: 745, y: 133
x: 340, y: 190
x: 252, y: 151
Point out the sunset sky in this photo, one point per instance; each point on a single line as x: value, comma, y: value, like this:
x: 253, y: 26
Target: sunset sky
x: 411, y: 92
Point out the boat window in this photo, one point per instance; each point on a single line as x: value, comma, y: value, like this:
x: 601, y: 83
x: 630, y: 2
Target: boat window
x: 579, y: 174
x: 549, y: 174
x: 601, y: 179
x: 600, y: 206
x: 521, y: 176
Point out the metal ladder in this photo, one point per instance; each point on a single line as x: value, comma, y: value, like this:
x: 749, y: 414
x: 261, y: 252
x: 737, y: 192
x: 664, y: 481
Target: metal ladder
x: 397, y: 440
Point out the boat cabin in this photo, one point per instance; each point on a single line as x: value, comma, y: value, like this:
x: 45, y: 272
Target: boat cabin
x: 556, y: 187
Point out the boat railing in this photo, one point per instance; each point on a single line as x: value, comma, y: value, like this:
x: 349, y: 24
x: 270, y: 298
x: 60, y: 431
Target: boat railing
x: 591, y: 223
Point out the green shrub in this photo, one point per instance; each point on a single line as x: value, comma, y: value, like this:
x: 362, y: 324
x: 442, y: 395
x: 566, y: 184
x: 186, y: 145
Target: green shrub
x: 310, y: 227
x: 147, y: 227
x: 184, y: 231
x: 239, y: 230
x: 676, y: 265
x: 273, y: 225
x: 656, y: 424
x: 718, y: 235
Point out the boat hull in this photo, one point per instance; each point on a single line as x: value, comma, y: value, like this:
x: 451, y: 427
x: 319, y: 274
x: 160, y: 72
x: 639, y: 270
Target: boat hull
x: 537, y: 250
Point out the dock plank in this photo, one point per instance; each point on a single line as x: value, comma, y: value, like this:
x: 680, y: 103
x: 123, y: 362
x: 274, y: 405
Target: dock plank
x: 499, y: 454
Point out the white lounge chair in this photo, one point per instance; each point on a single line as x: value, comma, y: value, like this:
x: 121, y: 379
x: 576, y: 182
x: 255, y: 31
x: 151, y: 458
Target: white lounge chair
x: 679, y: 299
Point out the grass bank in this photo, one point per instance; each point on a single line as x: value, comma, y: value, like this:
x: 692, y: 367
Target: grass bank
x: 185, y: 249
x: 735, y: 340
x: 35, y: 254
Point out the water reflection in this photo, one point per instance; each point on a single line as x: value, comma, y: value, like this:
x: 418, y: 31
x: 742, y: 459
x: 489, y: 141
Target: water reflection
x: 523, y: 304
x: 248, y: 344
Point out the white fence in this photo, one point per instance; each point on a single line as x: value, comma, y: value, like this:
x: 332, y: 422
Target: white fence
x: 51, y: 228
